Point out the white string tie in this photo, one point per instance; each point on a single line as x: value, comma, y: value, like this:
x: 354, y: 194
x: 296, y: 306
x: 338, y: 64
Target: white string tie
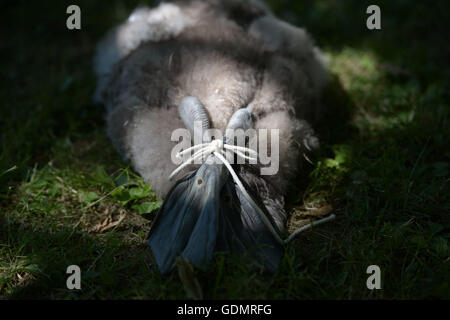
x: 216, y: 147
x: 221, y: 150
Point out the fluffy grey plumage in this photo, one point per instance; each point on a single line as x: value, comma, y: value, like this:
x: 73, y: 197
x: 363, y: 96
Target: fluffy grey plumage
x: 229, y: 55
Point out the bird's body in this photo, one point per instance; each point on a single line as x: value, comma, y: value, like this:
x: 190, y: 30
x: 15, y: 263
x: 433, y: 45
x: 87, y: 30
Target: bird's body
x: 229, y: 55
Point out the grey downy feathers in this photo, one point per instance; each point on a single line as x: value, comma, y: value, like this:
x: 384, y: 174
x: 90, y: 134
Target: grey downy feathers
x: 205, y: 60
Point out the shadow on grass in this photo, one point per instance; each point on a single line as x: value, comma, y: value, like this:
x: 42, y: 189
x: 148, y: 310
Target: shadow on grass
x: 110, y: 268
x: 411, y: 33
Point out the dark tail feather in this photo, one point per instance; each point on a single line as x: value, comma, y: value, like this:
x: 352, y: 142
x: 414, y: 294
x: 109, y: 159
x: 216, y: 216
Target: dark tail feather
x: 198, y: 219
x: 242, y: 231
x: 186, y: 225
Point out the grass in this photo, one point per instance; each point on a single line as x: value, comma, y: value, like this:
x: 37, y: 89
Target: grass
x: 67, y: 198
